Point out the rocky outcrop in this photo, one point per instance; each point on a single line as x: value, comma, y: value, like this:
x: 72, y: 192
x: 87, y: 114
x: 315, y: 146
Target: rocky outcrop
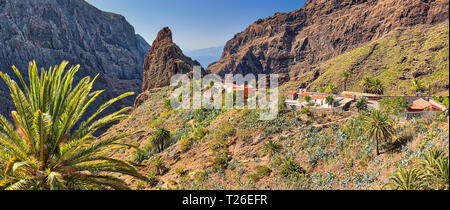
x: 164, y: 60
x: 50, y: 31
x: 293, y: 43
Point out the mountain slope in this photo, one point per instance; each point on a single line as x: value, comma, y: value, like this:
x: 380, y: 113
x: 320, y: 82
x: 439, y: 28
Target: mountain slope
x: 50, y: 31
x: 420, y: 52
x: 293, y: 43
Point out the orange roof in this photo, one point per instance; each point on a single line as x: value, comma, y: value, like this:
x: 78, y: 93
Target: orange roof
x: 305, y: 94
x: 318, y: 97
x: 420, y: 104
x: 290, y: 92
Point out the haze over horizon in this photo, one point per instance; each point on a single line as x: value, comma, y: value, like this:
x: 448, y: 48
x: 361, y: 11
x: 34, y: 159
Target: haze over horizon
x: 196, y: 24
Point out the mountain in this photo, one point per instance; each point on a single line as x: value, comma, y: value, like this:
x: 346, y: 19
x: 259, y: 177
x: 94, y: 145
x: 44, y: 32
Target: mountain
x: 50, y: 31
x: 206, y: 56
x: 395, y: 41
x: 419, y: 52
x: 294, y: 43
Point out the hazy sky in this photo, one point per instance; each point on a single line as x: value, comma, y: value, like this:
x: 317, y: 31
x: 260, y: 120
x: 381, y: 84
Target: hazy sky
x: 195, y: 24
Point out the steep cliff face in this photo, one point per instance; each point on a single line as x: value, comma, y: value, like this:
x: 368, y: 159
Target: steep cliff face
x: 164, y: 60
x: 293, y: 43
x: 50, y: 31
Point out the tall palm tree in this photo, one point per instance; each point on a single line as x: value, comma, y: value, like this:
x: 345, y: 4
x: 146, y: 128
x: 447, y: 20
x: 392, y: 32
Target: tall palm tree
x: 345, y: 76
x: 366, y: 84
x: 374, y: 86
x: 378, y: 126
x: 160, y: 138
x: 41, y: 152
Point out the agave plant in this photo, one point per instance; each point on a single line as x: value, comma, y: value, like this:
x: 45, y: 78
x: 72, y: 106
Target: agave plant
x: 43, y: 151
x: 406, y: 179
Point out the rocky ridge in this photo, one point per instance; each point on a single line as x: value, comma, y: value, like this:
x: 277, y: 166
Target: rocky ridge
x: 293, y: 43
x: 50, y: 31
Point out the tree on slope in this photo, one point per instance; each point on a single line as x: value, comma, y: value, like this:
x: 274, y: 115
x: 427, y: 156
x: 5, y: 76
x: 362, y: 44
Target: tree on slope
x: 378, y: 126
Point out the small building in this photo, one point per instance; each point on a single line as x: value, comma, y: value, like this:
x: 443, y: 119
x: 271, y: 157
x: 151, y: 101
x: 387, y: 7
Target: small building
x: 320, y: 101
x: 421, y: 105
x: 422, y: 108
x: 292, y: 95
x: 247, y: 89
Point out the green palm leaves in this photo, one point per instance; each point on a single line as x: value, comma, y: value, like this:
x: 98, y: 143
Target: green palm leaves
x: 40, y: 152
x: 412, y: 179
x: 437, y: 168
x: 432, y: 174
x: 374, y: 86
x: 160, y: 138
x: 378, y: 126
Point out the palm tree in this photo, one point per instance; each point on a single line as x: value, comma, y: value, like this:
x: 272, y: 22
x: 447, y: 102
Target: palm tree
x: 378, y: 126
x: 377, y: 87
x: 374, y: 86
x: 437, y: 167
x: 329, y: 100
x: 361, y: 104
x: 160, y: 138
x: 366, y: 84
x: 41, y: 152
x: 345, y: 76
x: 404, y: 179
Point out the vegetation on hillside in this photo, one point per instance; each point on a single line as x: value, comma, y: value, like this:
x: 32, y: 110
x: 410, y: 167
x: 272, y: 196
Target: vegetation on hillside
x: 406, y: 61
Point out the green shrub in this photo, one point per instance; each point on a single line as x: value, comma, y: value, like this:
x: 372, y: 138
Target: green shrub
x: 361, y: 104
x: 158, y: 162
x: 220, y: 163
x: 395, y: 106
x: 290, y: 168
x: 263, y: 170
x: 185, y: 144
x: 271, y: 147
x: 200, y: 176
x: 253, y: 177
x: 180, y: 171
x: 167, y: 104
x: 200, y: 133
x: 152, y: 178
x: 139, y: 156
x: 306, y: 110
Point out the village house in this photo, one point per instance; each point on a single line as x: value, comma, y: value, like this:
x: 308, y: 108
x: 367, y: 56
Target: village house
x: 247, y: 89
x: 421, y: 108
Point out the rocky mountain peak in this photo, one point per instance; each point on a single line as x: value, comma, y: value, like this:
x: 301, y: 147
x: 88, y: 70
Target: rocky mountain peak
x: 164, y: 60
x: 164, y: 36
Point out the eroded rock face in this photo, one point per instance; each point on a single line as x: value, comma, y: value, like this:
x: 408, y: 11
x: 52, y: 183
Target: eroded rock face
x: 50, y: 31
x: 164, y: 60
x: 292, y: 43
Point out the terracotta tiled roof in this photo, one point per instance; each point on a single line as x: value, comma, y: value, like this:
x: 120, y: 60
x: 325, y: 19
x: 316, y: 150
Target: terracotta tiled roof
x: 290, y: 92
x: 318, y: 97
x: 420, y: 104
x: 305, y: 94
